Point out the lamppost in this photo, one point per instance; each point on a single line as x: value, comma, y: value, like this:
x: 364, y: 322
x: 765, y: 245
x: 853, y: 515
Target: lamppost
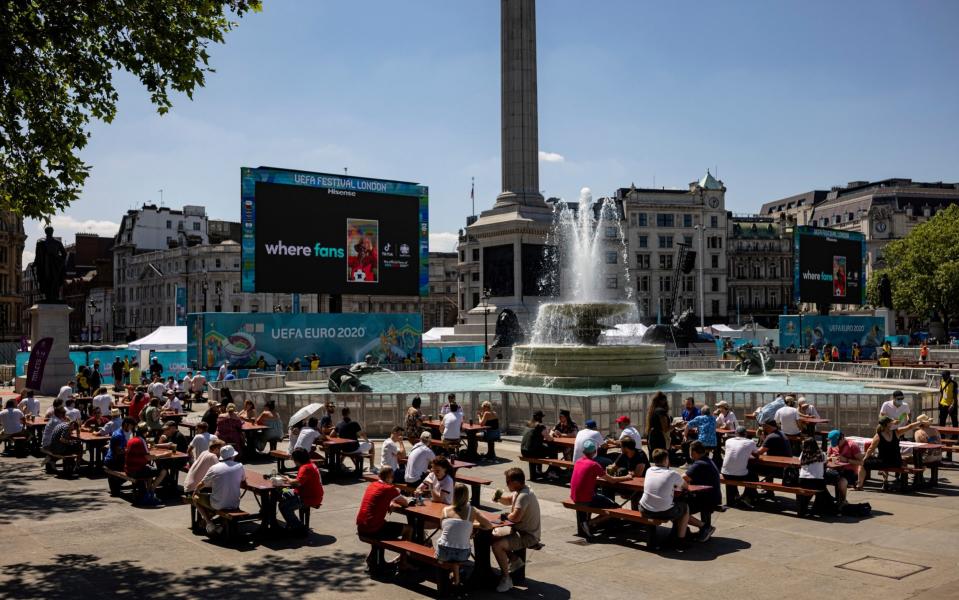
x: 93, y: 309
x: 206, y: 286
x: 485, y: 298
x: 702, y: 257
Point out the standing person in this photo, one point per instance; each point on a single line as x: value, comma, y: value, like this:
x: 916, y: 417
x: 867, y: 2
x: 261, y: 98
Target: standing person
x: 923, y: 352
x: 418, y: 464
x: 211, y: 416
x: 703, y: 472
x: 414, y: 420
x: 186, y: 385
x: 95, y: 379
x: 136, y: 376
x: 657, y: 423
x: 221, y: 372
x: 705, y: 426
x: 856, y: 352
x: 393, y: 450
x: 739, y: 451
x: 524, y: 514
x: 198, y: 385
x: 948, y: 406
x: 658, y: 501
x: 117, y: 370
x: 156, y: 369
x: 456, y: 530
x: 307, y: 491
x: 896, y: 409
x: 224, y: 480
x: 489, y: 419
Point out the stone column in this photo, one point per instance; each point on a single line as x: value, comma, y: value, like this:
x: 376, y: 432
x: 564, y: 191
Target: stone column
x: 520, y: 133
x: 53, y: 321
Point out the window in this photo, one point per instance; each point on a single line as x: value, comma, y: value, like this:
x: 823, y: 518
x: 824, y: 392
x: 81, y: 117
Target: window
x: 474, y: 276
x: 773, y: 271
x: 462, y: 256
x: 687, y: 220
x: 714, y: 258
x: 666, y: 261
x: 715, y: 307
x: 169, y: 224
x: 641, y: 218
x: 665, y: 241
x: 688, y: 240
x: 714, y: 284
x: 713, y: 221
x: 475, y: 254
x: 643, y: 241
x: 612, y: 283
x: 689, y: 283
x: 612, y: 231
x: 255, y: 307
x: 218, y: 263
x: 644, y: 306
x: 642, y: 284
x: 475, y: 299
x: 665, y: 283
x: 849, y: 216
x: 665, y: 220
x: 714, y: 241
x: 196, y: 227
x: 611, y: 257
x: 642, y: 261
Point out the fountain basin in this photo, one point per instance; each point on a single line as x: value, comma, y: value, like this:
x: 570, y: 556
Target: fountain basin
x: 567, y: 366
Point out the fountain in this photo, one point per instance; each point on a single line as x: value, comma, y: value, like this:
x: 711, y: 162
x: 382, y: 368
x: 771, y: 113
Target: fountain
x: 567, y: 348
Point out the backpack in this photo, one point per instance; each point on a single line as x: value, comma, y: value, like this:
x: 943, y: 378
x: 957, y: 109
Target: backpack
x: 861, y: 509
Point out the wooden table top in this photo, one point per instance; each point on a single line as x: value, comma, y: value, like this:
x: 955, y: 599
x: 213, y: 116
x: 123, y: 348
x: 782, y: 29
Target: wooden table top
x: 465, y: 426
x: 946, y: 429
x: 563, y: 441
x: 257, y: 483
x: 90, y: 437
x: 164, y: 454
x: 636, y: 485
x: 336, y: 441
x: 433, y: 511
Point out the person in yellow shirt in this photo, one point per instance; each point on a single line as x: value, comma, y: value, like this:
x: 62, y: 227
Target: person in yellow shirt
x: 947, y: 399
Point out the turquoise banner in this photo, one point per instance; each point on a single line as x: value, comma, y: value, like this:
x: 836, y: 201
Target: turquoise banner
x: 841, y: 331
x: 338, y: 339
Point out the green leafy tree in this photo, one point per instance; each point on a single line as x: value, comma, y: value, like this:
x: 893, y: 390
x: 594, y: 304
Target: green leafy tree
x: 57, y: 63
x: 923, y: 268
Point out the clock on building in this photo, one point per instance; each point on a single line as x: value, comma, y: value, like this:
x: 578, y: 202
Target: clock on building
x: 713, y: 202
x: 880, y: 226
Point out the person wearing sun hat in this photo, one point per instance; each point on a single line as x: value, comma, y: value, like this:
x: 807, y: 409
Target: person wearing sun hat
x: 725, y: 417
x: 927, y: 434
x: 224, y: 481
x: 849, y: 471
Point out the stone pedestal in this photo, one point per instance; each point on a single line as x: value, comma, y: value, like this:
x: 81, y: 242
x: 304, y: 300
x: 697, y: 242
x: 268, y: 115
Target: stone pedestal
x: 890, y: 317
x: 53, y: 321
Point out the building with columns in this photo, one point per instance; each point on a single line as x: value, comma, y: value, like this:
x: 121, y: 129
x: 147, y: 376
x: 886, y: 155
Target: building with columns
x: 759, y: 250
x: 12, y: 308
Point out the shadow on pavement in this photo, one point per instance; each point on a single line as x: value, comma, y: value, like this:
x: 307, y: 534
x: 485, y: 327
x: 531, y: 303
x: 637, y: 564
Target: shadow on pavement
x: 20, y: 497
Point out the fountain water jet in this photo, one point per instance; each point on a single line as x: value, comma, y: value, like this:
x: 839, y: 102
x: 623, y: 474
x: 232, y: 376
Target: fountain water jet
x: 566, y: 349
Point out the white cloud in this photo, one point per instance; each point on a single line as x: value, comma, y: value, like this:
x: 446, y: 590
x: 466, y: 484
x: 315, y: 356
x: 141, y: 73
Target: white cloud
x: 552, y: 157
x: 65, y: 227
x: 443, y: 241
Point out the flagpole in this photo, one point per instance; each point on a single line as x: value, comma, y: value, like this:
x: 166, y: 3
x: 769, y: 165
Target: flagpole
x: 473, y: 194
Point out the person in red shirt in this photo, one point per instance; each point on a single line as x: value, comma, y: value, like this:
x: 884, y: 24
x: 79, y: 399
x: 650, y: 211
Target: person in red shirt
x: 378, y: 500
x: 139, y: 465
x: 139, y: 402
x: 307, y: 491
x: 582, y: 484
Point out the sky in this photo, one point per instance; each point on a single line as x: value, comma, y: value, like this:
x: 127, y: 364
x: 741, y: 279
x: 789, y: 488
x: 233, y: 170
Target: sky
x: 778, y: 98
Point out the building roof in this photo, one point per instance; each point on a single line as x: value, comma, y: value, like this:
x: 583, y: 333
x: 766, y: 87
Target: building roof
x: 709, y: 182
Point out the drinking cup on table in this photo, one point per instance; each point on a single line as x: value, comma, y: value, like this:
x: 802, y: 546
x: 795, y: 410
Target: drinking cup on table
x: 497, y: 495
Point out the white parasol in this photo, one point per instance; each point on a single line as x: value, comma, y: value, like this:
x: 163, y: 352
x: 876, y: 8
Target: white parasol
x: 305, y: 413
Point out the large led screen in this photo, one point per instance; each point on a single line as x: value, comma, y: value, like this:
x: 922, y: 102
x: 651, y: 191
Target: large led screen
x: 829, y: 266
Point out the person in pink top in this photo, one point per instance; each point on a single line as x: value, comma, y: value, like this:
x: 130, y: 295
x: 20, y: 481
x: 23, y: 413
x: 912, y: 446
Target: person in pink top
x: 582, y: 485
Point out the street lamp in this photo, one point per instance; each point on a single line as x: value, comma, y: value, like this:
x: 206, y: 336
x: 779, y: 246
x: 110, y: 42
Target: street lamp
x: 206, y: 286
x: 702, y: 257
x: 93, y: 309
x: 485, y: 298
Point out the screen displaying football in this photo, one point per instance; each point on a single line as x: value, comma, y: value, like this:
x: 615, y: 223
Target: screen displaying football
x: 829, y: 266
x: 332, y: 234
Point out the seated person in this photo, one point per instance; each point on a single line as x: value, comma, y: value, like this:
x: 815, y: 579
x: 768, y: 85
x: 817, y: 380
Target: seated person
x: 590, y: 434
x: 174, y: 405
x: 725, y: 417
x: 115, y: 422
x: 456, y: 530
x: 12, y: 420
x: 65, y: 441
x: 884, y: 452
x: 849, y: 471
x: 775, y: 443
x: 73, y: 413
x: 378, y: 500
x: 308, y: 436
x: 96, y: 420
x: 739, y: 451
x: 812, y: 476
x: 418, y: 463
x: 327, y: 425
x: 139, y: 465
x: 201, y: 441
x: 351, y: 430
x: 307, y: 490
x: 626, y: 430
x: 703, y: 472
x: 633, y: 461
x: 439, y: 483
x: 393, y: 451
x: 229, y: 428
x: 151, y: 416
x: 29, y: 405
x: 524, y: 514
x: 788, y: 417
x: 533, y: 443
x: 488, y: 418
x: 705, y: 426
x: 658, y: 501
x: 115, y: 457
x: 925, y: 434
x: 224, y: 480
x: 566, y: 427
x: 689, y: 409
x: 582, y: 485
x: 452, y: 425
x: 172, y: 438
x: 201, y: 464
x: 103, y: 401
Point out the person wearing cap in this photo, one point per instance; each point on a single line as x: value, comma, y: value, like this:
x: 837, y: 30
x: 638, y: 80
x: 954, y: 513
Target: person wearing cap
x: 658, y: 501
x: 849, y: 471
x: 582, y: 484
x: 204, y: 460
x: 229, y: 427
x: 138, y: 465
x: 948, y: 403
x: 590, y: 434
x: 224, y: 480
x: 738, y: 452
x: 418, y: 463
x: 172, y: 438
x: 103, y: 400
x: 114, y: 424
x: 626, y: 430
x: 533, y: 445
x: 896, y: 409
x: 703, y: 471
x: 885, y: 448
x: 725, y: 417
x: 926, y: 434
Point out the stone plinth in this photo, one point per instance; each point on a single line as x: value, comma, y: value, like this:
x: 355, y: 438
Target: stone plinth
x: 565, y: 366
x: 53, y: 321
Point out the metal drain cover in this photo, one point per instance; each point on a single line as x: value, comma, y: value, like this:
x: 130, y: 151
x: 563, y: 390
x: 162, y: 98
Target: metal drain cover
x: 883, y: 567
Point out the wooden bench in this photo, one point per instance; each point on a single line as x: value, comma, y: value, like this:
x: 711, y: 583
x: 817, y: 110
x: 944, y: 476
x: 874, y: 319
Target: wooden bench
x: 803, y: 495
x: 423, y: 555
x: 17, y: 444
x: 584, y: 510
x: 534, y: 471
x: 116, y: 479
x: 904, y: 471
x: 70, y: 461
x: 281, y: 456
x: 474, y: 482
x: 232, y: 518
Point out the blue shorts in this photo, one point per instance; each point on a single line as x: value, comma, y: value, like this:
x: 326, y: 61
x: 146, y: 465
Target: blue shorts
x: 452, y: 555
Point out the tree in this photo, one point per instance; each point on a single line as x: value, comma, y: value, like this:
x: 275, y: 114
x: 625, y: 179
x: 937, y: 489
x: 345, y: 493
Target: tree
x: 923, y: 268
x: 57, y: 62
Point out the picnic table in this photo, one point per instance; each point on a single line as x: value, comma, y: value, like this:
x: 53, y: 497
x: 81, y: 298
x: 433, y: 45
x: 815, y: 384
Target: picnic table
x: 634, y: 488
x: 802, y: 419
x: 333, y: 448
x: 35, y: 432
x: 470, y: 429
x: 267, y: 495
x: 431, y: 513
x: 94, y: 444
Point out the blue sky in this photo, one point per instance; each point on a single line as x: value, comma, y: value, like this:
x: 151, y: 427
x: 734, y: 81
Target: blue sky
x: 782, y: 97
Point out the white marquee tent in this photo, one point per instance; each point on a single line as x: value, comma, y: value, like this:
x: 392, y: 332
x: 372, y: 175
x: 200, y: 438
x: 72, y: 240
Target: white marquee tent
x: 163, y: 338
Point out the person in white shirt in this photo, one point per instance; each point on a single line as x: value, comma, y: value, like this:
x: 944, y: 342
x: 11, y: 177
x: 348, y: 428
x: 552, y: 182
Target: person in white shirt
x: 439, y: 483
x: 725, y: 418
x: 589, y: 433
x: 156, y: 389
x: 29, y: 405
x: 308, y: 436
x: 103, y: 400
x: 172, y: 385
x: 393, y: 450
x: 453, y: 423
x: 896, y: 409
x: 224, y: 480
x: 198, y: 384
x: 807, y: 410
x: 186, y: 386
x: 115, y: 423
x: 73, y: 413
x: 174, y: 404
x: 788, y: 417
x: 66, y: 392
x: 739, y: 450
x: 626, y: 430
x: 201, y: 441
x: 221, y: 372
x: 201, y: 465
x: 660, y: 484
x: 11, y: 420
x: 418, y: 463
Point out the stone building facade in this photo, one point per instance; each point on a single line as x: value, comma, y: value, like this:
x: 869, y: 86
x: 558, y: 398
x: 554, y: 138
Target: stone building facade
x: 759, y: 250
x: 12, y: 307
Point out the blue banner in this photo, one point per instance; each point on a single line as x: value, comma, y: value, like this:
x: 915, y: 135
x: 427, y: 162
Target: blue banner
x: 343, y: 338
x: 181, y: 306
x: 842, y: 331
